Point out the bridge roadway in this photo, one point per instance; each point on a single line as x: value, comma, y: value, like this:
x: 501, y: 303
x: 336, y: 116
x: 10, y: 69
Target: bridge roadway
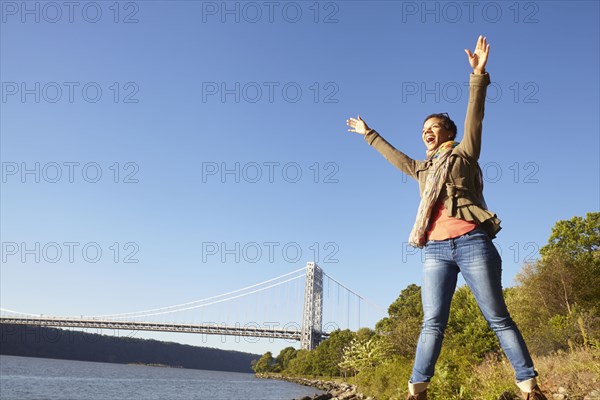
x: 208, y: 329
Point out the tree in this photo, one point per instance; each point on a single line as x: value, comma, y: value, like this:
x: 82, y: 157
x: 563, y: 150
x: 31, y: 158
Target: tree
x: 285, y: 356
x: 577, y: 237
x: 556, y: 304
x: 265, y: 364
x: 302, y: 364
x: 573, y: 251
x: 364, y: 334
x: 403, y: 325
x: 407, y: 304
x: 331, y: 352
x: 363, y: 354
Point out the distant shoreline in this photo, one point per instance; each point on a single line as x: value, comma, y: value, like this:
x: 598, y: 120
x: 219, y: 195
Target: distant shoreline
x: 44, y: 342
x: 133, y: 364
x: 155, y: 365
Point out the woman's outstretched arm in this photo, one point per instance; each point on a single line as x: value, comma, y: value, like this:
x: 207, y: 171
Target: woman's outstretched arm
x: 400, y: 160
x: 470, y: 145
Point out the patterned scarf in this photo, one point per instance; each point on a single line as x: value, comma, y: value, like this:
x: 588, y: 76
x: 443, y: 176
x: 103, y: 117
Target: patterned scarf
x: 433, y: 186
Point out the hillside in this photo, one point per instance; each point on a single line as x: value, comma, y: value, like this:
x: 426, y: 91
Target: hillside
x: 31, y: 341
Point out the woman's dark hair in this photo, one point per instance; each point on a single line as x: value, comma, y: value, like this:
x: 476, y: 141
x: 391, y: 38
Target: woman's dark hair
x: 446, y: 122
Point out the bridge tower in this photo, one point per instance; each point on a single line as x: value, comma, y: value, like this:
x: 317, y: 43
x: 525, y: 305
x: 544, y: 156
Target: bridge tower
x: 312, y: 318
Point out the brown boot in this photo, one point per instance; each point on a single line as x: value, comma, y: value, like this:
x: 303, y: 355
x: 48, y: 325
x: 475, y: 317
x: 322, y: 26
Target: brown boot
x: 417, y: 391
x: 530, y: 390
x: 535, y: 394
x: 420, y: 396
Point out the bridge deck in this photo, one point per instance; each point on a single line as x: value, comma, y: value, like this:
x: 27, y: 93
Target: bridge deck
x: 208, y: 329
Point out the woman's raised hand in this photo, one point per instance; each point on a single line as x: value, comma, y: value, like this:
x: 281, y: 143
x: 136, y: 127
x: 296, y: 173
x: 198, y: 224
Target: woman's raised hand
x: 357, y: 125
x: 479, y: 57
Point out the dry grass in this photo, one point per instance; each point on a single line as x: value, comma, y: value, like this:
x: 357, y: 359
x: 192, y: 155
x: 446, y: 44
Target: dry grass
x: 577, y: 372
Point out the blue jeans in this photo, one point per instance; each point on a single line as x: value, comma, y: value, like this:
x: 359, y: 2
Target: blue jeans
x: 476, y: 257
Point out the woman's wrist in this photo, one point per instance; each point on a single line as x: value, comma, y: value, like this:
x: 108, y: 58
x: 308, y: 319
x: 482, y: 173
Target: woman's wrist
x: 479, y: 71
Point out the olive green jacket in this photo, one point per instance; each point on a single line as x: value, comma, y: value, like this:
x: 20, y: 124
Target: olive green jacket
x: 463, y: 192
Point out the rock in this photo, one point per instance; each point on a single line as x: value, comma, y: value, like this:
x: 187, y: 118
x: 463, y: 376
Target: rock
x: 347, y: 395
x: 562, y: 390
x: 593, y: 395
x: 558, y: 396
x: 335, y: 391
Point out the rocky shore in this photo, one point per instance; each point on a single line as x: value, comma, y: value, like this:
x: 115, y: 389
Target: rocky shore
x: 335, y: 390
x: 345, y: 391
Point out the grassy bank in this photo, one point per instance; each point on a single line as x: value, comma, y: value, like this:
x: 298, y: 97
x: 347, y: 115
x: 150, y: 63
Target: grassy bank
x: 573, y: 375
x: 555, y: 304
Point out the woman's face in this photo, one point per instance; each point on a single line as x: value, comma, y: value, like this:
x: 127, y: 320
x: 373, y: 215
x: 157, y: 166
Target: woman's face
x: 434, y: 133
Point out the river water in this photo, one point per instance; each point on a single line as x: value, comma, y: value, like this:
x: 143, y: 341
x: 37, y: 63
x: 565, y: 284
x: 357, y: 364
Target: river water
x: 24, y: 378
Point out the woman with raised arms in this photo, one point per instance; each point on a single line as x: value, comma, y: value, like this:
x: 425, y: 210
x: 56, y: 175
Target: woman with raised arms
x: 455, y: 230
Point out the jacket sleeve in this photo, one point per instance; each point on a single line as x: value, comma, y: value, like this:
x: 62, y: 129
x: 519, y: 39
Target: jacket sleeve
x: 400, y: 160
x: 470, y: 146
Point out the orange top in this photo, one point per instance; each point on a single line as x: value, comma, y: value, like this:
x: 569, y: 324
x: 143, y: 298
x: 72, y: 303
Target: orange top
x: 442, y: 226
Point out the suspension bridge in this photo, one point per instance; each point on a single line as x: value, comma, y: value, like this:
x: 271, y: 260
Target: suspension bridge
x: 310, y: 331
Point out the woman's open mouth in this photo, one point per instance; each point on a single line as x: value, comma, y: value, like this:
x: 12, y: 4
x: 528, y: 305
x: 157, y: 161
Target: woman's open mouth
x: 430, y: 139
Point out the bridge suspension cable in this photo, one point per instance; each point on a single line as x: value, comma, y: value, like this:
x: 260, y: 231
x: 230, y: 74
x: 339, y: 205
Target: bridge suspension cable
x: 176, y: 306
x: 189, y: 305
x: 375, y: 305
x: 212, y: 302
x: 18, y: 312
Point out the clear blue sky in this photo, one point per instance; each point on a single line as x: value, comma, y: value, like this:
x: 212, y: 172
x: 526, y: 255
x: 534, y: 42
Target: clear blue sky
x: 168, y: 116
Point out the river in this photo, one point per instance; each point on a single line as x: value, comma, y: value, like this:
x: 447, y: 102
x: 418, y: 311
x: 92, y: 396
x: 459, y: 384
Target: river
x: 24, y: 378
